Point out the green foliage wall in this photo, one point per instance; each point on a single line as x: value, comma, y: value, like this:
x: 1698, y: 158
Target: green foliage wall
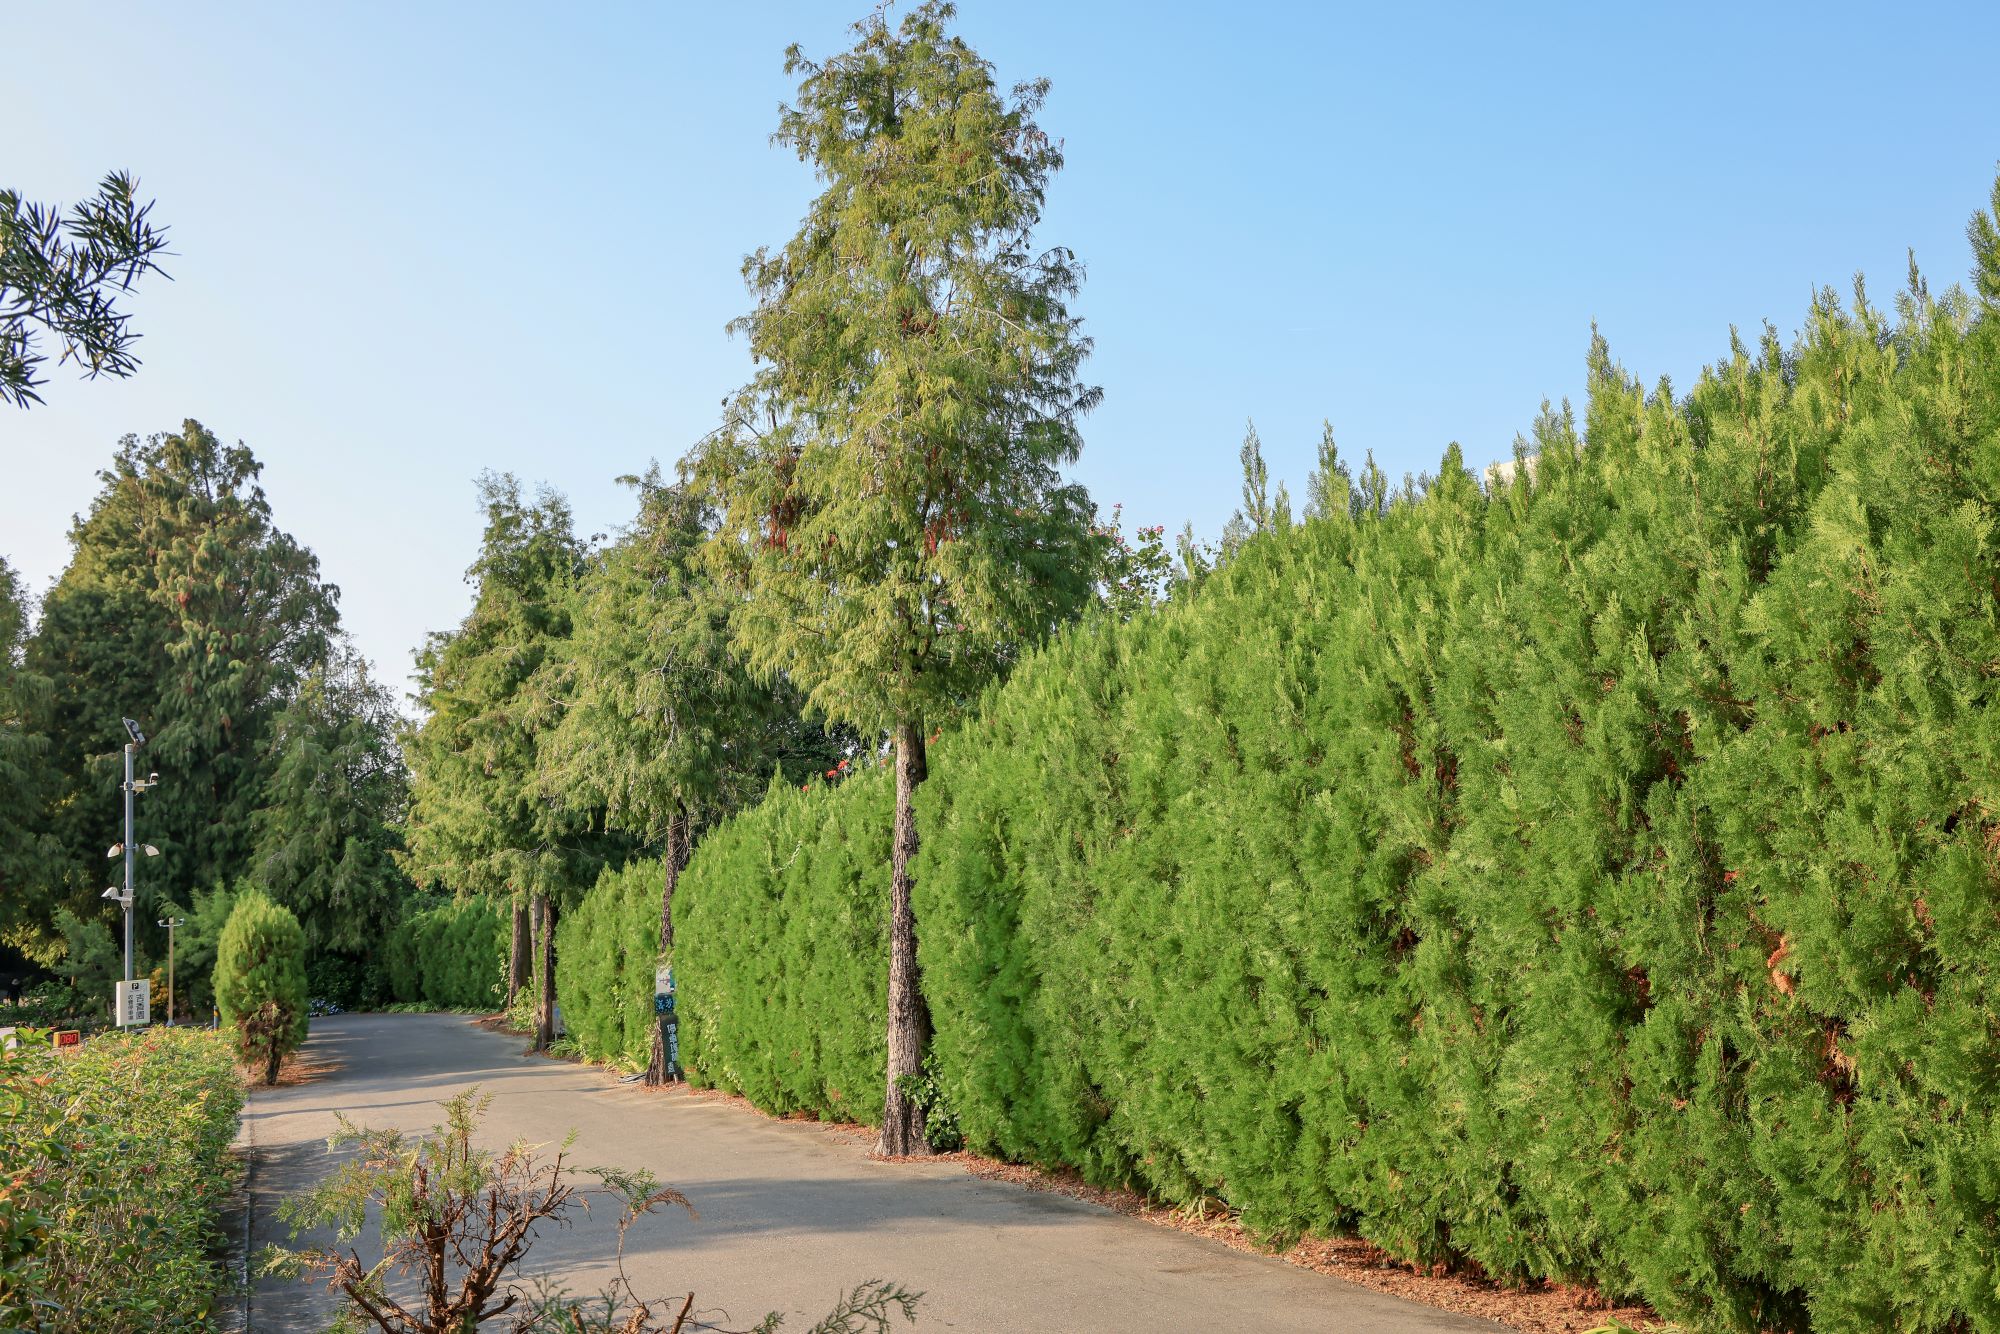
x: 781, y: 950
x: 1596, y: 879
x: 607, y: 948
x: 451, y: 953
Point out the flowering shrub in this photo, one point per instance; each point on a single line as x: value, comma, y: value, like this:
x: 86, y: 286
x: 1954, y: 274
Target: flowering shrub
x: 114, y: 1159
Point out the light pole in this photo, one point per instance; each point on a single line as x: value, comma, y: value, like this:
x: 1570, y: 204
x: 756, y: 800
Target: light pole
x: 131, y: 851
x: 170, y: 923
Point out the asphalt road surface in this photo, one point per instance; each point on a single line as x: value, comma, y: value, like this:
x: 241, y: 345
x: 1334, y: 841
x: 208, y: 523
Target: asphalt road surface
x: 791, y: 1215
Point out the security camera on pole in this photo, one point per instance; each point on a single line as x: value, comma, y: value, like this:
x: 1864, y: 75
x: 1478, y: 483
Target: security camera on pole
x: 134, y: 998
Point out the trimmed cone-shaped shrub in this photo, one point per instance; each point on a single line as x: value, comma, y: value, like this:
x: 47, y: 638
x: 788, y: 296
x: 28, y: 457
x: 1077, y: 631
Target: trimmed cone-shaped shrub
x: 260, y: 981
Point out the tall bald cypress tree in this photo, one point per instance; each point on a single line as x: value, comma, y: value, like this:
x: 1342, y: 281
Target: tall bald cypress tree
x: 663, y: 727
x: 890, y: 482
x: 479, y: 820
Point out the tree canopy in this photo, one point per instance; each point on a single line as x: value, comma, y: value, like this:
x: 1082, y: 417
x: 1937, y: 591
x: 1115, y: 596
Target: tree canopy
x: 890, y: 486
x: 186, y: 608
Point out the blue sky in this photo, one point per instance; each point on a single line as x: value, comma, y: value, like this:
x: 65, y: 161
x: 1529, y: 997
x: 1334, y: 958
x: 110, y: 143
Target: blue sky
x: 414, y: 242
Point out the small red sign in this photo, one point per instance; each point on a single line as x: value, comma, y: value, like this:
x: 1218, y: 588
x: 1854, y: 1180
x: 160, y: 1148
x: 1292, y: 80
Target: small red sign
x: 68, y: 1037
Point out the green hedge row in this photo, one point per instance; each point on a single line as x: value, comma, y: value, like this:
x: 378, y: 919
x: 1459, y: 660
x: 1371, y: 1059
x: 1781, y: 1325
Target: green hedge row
x: 780, y: 950
x: 607, y: 948
x: 114, y: 1166
x: 451, y: 953
x: 1597, y: 879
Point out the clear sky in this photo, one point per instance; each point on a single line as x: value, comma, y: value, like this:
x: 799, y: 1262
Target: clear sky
x: 417, y: 241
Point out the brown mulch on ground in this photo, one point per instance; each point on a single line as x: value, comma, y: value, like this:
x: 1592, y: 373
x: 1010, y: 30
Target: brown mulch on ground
x: 1543, y: 1308
x: 295, y: 1072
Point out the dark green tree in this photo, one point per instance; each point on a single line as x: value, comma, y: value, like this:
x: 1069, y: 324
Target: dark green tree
x: 663, y: 727
x: 27, y: 856
x: 204, y: 916
x: 260, y: 981
x: 480, y: 820
x: 60, y: 274
x: 890, y: 483
x: 186, y: 608
x: 331, y: 823
x: 91, y: 962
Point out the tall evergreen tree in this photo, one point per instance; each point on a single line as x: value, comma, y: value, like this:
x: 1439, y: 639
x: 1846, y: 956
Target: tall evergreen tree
x: 26, y: 856
x: 186, y: 608
x: 479, y: 819
x: 663, y: 726
x: 331, y: 822
x: 890, y: 481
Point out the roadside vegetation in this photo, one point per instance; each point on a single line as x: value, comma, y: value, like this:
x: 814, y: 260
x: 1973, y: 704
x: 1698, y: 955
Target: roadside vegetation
x: 114, y: 1162
x: 1583, y: 870
x: 1587, y: 876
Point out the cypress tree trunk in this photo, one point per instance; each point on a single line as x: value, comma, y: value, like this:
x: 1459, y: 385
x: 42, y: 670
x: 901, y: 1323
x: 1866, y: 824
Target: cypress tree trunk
x: 677, y: 855
x: 545, y: 1010
x: 519, y: 952
x: 909, y: 1017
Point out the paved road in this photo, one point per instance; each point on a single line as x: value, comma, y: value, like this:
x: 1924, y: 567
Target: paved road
x: 790, y: 1214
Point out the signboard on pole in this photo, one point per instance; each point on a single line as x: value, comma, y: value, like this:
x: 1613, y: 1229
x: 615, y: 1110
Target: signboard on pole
x: 135, y: 1003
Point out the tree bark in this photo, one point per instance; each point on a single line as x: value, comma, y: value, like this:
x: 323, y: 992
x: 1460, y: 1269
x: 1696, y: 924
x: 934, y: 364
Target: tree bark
x: 520, y: 952
x: 657, y: 1072
x: 909, y: 1017
x: 545, y: 1010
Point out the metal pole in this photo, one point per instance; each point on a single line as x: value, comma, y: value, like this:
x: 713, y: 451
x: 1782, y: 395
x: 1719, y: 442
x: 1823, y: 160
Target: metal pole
x: 130, y: 747
x: 170, y: 972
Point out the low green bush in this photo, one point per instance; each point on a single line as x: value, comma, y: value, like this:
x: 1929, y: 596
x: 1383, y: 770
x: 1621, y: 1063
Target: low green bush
x: 780, y: 950
x: 114, y: 1163
x: 450, y: 953
x: 606, y: 957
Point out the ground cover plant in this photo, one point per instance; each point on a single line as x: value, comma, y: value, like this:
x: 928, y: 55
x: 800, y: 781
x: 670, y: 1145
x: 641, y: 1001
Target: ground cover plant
x: 114, y: 1159
x: 1585, y: 873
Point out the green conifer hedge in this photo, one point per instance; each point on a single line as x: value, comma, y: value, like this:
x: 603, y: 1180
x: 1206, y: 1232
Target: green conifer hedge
x: 607, y: 951
x: 451, y: 953
x: 1593, y: 877
x: 780, y: 950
